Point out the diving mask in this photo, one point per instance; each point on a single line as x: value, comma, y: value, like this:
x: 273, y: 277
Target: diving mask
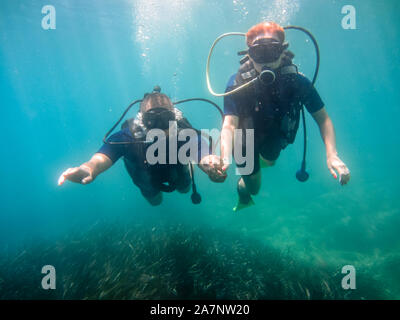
x: 266, y: 50
x: 158, y: 118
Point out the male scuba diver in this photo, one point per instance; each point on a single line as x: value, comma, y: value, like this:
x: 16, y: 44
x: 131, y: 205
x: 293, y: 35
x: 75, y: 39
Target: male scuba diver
x: 271, y: 105
x: 157, y: 112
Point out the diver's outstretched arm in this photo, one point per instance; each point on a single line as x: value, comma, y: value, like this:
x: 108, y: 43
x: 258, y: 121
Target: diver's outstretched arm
x: 231, y: 123
x: 327, y: 130
x: 88, y: 171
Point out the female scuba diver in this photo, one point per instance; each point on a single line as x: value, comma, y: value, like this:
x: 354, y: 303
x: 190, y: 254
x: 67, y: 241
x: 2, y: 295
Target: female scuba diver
x: 267, y: 94
x: 156, y: 112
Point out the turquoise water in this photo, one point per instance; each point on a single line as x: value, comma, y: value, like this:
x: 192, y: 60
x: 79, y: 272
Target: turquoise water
x: 62, y: 89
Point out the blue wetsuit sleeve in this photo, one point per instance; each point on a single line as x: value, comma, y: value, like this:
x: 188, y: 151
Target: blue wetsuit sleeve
x: 230, y: 103
x: 116, y: 151
x: 309, y: 95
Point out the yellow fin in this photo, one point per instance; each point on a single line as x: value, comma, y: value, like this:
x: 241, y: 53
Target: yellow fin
x: 241, y: 206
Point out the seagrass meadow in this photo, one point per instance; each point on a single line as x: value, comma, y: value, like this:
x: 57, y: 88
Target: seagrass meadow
x: 67, y: 73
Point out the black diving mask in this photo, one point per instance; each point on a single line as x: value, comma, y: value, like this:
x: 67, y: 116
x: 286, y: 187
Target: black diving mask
x: 267, y: 50
x: 158, y: 118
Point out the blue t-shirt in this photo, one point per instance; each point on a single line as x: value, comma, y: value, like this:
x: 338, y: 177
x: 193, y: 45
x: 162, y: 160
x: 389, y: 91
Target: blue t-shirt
x: 305, y: 93
x: 116, y: 151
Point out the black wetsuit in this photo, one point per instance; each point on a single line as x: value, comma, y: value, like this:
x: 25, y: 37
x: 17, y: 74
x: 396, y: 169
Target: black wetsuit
x: 149, y: 178
x: 266, y: 110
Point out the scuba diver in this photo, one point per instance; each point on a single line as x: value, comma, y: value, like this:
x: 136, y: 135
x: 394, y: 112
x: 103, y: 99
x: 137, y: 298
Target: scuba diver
x: 157, y: 112
x: 267, y: 94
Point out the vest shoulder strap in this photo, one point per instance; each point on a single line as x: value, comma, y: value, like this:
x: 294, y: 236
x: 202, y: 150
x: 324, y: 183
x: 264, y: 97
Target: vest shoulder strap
x: 245, y: 73
x: 291, y: 69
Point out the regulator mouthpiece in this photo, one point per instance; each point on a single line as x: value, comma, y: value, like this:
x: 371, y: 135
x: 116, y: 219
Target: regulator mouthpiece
x: 267, y: 76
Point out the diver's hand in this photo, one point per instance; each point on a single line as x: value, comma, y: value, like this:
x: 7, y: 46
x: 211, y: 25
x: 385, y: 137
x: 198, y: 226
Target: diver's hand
x: 337, y: 166
x: 225, y: 164
x: 212, y: 166
x: 82, y: 174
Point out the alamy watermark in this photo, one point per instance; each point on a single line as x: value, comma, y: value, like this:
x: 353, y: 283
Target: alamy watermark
x: 349, y: 20
x: 49, y: 20
x: 349, y: 280
x: 156, y: 153
x: 49, y: 280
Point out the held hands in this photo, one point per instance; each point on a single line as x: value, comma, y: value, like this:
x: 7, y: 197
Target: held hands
x: 82, y: 174
x: 337, y: 166
x: 212, y: 166
x: 225, y: 164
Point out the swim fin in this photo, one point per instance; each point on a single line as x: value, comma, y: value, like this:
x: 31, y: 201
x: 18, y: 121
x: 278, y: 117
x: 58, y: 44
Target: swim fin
x: 242, y: 205
x: 244, y: 200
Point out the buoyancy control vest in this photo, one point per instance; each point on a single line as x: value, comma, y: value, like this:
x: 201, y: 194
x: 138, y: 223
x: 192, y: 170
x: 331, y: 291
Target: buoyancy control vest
x: 162, y: 176
x: 272, y: 109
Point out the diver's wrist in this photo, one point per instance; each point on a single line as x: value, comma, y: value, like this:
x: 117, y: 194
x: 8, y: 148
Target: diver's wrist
x: 331, y: 154
x: 88, y: 168
x: 226, y: 160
